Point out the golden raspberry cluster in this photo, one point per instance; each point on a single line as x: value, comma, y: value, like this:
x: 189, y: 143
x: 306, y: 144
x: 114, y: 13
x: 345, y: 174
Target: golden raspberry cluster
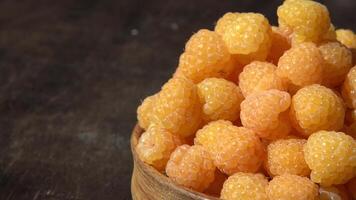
x: 256, y: 111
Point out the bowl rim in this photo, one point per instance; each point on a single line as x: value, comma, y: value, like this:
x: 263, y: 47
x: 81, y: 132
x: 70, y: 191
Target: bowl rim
x: 156, y: 175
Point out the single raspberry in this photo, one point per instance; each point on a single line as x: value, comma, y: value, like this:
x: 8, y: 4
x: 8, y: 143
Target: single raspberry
x: 334, y: 192
x: 308, y: 19
x: 264, y: 112
x: 156, y: 145
x: 221, y: 99
x: 346, y: 37
x: 225, y: 21
x: 245, y: 186
x: 216, y: 186
x: 338, y: 61
x: 287, y: 157
x: 232, y: 148
x: 260, y: 76
x: 288, y: 186
x: 315, y: 108
x: 144, y: 111
x: 301, y: 72
x: 207, y: 44
x: 351, y: 187
x: 349, y: 88
x: 177, y: 107
x: 192, y: 167
x: 331, y: 156
x: 206, y: 55
x: 248, y: 36
x: 280, y: 44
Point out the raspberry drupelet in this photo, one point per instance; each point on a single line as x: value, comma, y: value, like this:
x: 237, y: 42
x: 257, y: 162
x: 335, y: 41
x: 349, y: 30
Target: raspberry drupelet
x: 331, y: 156
x: 233, y: 149
x: 192, y: 167
x: 221, y: 99
x: 265, y: 113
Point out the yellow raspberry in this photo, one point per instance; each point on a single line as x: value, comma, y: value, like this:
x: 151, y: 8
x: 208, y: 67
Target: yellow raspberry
x: 209, y: 46
x: 177, y: 107
x: 280, y: 44
x: 331, y: 156
x: 221, y: 99
x: 351, y: 187
x: 232, y: 148
x: 245, y: 186
x: 346, y: 37
x: 248, y: 36
x: 144, y: 111
x: 264, y: 112
x: 260, y: 76
x: 315, y: 108
x: 192, y: 167
x: 308, y: 19
x: 216, y: 186
x: 302, y: 65
x: 287, y: 157
x: 206, y: 55
x: 225, y: 21
x: 349, y: 88
x: 338, y: 61
x: 288, y: 186
x: 334, y: 192
x: 156, y: 145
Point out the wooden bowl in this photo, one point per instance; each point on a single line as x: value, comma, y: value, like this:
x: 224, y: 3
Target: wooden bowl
x: 149, y: 184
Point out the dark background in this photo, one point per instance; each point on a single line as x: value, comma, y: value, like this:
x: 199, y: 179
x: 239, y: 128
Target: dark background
x: 72, y: 73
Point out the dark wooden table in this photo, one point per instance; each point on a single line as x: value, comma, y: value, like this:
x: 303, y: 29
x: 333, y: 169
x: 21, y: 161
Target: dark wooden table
x: 72, y: 73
